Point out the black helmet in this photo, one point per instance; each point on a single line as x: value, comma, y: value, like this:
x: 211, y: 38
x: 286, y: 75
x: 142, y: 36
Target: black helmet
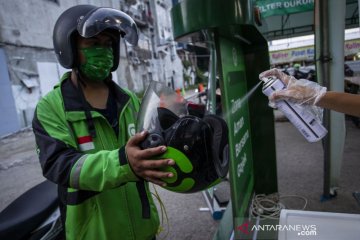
x: 88, y: 21
x: 199, y: 146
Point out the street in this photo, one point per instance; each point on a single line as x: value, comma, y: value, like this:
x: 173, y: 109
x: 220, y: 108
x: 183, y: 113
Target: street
x: 300, y: 172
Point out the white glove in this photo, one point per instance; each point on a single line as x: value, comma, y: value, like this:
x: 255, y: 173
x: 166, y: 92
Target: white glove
x: 299, y: 91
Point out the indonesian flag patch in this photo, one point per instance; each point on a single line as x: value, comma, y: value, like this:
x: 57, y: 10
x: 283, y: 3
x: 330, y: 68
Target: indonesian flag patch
x: 86, y: 143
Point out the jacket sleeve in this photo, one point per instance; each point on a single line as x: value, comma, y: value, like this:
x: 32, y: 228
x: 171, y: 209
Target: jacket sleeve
x: 63, y: 164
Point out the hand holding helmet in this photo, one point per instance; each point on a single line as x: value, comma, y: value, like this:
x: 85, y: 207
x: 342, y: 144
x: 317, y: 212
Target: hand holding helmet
x: 198, y: 146
x: 141, y: 163
x: 299, y: 91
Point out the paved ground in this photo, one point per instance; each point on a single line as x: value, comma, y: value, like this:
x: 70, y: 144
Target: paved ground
x: 300, y: 169
x: 19, y: 167
x: 300, y: 172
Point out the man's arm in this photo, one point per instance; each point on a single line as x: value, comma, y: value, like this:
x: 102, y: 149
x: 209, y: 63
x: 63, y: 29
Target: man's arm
x: 341, y: 102
x: 306, y: 92
x: 63, y: 164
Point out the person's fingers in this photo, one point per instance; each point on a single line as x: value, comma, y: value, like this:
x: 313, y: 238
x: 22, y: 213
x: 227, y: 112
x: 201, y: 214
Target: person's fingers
x: 281, y: 94
x: 276, y: 73
x: 156, y: 176
x: 152, y: 174
x: 293, y: 95
x: 137, y: 138
x: 272, y: 72
x: 275, y: 96
x: 150, y: 152
x: 142, y: 166
x: 154, y: 164
x: 286, y: 79
x: 156, y: 181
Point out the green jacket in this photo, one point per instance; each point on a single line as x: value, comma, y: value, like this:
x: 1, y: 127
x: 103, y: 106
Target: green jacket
x: 101, y: 197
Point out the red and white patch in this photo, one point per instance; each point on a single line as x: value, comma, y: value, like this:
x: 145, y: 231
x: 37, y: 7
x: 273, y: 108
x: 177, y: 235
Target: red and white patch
x: 86, y: 143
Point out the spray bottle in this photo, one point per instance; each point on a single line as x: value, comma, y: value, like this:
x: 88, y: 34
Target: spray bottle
x: 305, y: 121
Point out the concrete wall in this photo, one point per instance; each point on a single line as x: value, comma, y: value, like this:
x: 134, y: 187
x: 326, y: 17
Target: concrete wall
x: 23, y: 72
x: 26, y: 38
x: 31, y: 22
x: 168, y: 68
x: 8, y: 120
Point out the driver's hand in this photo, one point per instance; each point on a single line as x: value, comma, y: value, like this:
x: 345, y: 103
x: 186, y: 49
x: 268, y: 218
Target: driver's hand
x: 142, y: 163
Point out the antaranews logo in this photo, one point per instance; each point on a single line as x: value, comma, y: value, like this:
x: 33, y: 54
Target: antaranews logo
x: 301, y: 229
x: 244, y: 227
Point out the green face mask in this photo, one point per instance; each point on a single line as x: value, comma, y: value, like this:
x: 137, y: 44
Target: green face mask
x: 99, y: 61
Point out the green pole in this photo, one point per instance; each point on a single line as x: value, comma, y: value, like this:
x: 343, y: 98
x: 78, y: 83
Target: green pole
x: 238, y: 54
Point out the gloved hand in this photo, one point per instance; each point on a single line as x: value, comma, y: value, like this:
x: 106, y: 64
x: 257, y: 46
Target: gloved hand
x: 299, y: 91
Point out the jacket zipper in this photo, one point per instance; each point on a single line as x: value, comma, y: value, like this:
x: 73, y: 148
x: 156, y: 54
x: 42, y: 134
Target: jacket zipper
x: 100, y: 135
x: 111, y: 133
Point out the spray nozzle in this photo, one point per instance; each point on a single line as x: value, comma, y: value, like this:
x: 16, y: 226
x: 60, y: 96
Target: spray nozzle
x: 267, y: 79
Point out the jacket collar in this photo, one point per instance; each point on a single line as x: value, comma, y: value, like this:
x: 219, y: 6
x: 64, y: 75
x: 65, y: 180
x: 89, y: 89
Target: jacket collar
x: 72, y: 99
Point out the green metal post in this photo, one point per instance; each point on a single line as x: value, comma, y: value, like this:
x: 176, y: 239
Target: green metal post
x: 241, y: 54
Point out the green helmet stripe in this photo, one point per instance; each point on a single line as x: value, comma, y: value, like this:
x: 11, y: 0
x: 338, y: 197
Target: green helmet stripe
x: 185, y: 185
x: 173, y: 171
x: 180, y: 159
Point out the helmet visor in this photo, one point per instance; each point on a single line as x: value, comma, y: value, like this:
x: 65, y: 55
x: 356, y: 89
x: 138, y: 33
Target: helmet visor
x: 158, y: 95
x: 101, y: 19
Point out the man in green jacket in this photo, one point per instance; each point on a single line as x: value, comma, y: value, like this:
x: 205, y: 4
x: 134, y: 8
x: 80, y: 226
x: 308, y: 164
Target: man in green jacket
x: 85, y: 133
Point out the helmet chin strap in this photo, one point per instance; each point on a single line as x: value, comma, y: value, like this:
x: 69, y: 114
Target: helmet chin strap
x: 79, y: 78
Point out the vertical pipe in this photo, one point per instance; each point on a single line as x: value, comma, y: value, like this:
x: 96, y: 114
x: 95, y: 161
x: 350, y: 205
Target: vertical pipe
x: 329, y: 39
x: 337, y: 35
x: 322, y: 66
x: 211, y: 94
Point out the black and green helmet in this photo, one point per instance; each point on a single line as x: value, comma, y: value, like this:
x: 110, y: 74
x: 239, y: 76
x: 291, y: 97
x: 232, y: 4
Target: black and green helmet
x: 199, y: 146
x: 88, y: 21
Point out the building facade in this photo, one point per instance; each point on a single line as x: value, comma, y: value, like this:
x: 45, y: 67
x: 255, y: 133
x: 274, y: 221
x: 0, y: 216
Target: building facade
x: 302, y: 49
x: 29, y: 68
